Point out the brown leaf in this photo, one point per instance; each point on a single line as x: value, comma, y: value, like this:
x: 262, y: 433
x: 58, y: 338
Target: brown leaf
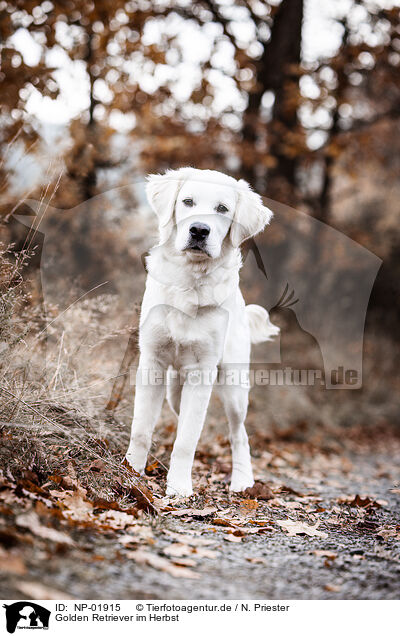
x: 332, y: 588
x: 190, y: 563
x: 139, y: 491
x: 97, y: 466
x: 290, y: 491
x: 64, y: 481
x: 324, y: 553
x: 204, y: 553
x: 389, y: 532
x: 11, y: 563
x: 260, y: 522
x: 136, y: 534
x: 116, y: 519
x: 204, y: 512
x: 76, y: 506
x: 364, y: 503
x: 9, y: 497
x: 259, y: 491
x: 152, y: 468
x: 178, y: 550
x: 29, y: 474
x: 104, y: 504
x: 40, y: 592
x: 256, y: 560
x: 26, y: 486
x: 358, y: 502
x: 248, y: 506
x: 161, y: 563
x: 228, y: 523
x: 30, y: 520
x: 299, y: 527
x: 232, y: 538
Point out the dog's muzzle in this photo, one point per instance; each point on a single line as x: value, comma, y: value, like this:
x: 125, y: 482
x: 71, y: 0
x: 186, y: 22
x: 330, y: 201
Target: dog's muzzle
x: 198, y: 235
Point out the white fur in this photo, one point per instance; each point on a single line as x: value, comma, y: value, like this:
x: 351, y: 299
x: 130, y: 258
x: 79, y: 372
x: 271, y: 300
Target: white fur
x: 194, y: 324
x: 261, y: 328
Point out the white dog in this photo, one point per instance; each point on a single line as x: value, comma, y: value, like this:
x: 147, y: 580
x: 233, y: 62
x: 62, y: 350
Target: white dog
x: 194, y: 324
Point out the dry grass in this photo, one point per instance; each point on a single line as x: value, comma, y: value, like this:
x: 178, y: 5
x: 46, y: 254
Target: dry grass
x: 58, y: 370
x: 57, y: 373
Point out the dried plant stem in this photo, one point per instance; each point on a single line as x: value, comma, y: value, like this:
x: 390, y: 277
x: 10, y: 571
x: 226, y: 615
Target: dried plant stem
x: 121, y: 468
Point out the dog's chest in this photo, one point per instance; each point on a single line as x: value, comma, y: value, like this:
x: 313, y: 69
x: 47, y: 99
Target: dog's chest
x: 181, y: 339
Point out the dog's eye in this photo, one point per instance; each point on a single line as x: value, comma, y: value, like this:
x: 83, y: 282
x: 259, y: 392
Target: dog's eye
x: 222, y: 208
x: 188, y: 202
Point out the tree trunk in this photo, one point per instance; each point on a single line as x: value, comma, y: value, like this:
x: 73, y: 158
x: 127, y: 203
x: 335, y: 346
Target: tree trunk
x: 277, y: 72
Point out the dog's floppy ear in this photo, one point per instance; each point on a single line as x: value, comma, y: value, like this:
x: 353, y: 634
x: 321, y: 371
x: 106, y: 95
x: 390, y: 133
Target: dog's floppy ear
x: 162, y: 191
x: 251, y: 216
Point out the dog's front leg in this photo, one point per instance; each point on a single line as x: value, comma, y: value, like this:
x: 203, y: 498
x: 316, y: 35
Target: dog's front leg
x: 196, y: 394
x: 149, y: 396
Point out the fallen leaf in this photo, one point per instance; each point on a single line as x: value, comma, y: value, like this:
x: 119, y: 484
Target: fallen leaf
x: 227, y: 523
x: 116, y: 519
x: 232, y: 538
x: 31, y: 521
x: 248, y: 506
x: 40, y: 592
x: 139, y: 491
x: 189, y: 539
x: 151, y: 468
x: 299, y: 527
x: 8, y: 497
x: 30, y: 489
x: 259, y: 491
x: 278, y: 502
x: 204, y: 512
x: 364, y: 503
x: 105, y: 504
x: 204, y: 553
x: 183, y: 550
x: 97, y: 466
x: 358, y: 502
x: 11, y: 563
x: 137, y: 533
x: 289, y: 490
x: 161, y: 563
x: 66, y: 482
x: 389, y: 532
x: 190, y: 563
x: 76, y: 506
x: 332, y: 588
x: 324, y: 553
x: 178, y: 550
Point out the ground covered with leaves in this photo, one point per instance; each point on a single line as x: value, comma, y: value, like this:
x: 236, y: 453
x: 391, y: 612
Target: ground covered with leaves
x: 319, y: 523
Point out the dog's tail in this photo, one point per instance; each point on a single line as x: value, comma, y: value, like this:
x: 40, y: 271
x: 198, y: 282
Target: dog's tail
x: 261, y: 328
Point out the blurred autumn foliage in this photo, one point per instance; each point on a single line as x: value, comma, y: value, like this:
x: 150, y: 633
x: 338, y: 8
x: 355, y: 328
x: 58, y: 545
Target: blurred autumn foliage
x: 321, y: 135
x: 302, y: 99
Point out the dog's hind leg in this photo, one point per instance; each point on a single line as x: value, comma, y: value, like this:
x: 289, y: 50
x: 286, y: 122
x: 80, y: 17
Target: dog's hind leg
x: 174, y: 390
x: 235, y: 401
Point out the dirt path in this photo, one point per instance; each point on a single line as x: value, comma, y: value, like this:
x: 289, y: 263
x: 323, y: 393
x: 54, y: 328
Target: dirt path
x: 218, y: 546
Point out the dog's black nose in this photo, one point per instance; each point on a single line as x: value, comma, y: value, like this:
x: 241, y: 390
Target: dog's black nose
x: 199, y: 231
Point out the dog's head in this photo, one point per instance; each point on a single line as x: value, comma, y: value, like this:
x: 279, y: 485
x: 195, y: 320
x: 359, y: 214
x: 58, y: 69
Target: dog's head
x: 201, y: 210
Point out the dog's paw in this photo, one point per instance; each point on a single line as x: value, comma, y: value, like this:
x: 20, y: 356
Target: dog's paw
x: 241, y: 482
x: 131, y: 464
x: 181, y: 490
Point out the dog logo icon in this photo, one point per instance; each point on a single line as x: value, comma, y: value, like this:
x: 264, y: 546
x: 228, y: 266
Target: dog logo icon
x: 26, y: 615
